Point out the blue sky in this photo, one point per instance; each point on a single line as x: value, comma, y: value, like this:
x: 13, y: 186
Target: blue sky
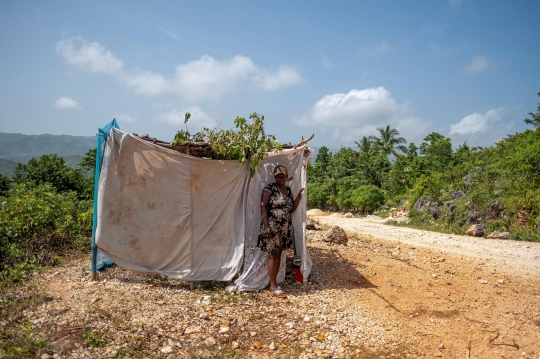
x: 466, y: 69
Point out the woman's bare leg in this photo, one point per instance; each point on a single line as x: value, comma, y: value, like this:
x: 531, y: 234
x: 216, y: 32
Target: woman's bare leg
x: 274, y: 259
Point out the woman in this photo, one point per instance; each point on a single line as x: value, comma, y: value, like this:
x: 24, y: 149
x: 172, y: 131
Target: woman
x: 277, y: 205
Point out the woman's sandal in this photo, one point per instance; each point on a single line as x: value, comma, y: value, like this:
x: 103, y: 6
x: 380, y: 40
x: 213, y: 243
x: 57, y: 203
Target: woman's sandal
x: 277, y: 293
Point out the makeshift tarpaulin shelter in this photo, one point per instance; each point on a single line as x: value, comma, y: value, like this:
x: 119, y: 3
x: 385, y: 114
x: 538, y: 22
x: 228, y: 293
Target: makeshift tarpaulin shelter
x: 161, y: 211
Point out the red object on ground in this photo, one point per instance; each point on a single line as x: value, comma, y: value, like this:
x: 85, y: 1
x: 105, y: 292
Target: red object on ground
x: 299, y: 276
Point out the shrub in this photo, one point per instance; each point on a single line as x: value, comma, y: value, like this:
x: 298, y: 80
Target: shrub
x: 368, y: 198
x: 37, y: 225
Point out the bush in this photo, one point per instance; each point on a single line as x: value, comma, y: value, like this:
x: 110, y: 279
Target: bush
x: 38, y: 225
x: 368, y: 198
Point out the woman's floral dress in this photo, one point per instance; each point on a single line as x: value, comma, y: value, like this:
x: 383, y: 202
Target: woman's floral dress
x: 279, y: 218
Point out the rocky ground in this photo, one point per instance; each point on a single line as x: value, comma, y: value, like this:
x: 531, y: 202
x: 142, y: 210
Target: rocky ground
x: 391, y: 292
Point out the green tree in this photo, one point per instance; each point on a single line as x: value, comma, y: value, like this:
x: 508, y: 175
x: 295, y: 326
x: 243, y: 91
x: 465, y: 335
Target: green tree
x: 88, y: 167
x: 4, y: 184
x: 437, y: 150
x: 51, y: 169
x: 323, y: 163
x: 390, y: 142
x: 345, y: 162
x: 88, y: 163
x: 368, y: 198
x: 535, y: 117
x: 412, y: 151
x: 366, y: 144
x: 373, y: 166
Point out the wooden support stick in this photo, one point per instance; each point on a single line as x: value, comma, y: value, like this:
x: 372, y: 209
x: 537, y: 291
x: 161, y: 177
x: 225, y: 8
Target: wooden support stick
x: 303, y: 142
x: 305, y: 287
x: 191, y: 285
x: 94, y: 276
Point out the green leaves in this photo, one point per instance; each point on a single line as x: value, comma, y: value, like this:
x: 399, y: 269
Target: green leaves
x: 535, y: 117
x: 248, y: 141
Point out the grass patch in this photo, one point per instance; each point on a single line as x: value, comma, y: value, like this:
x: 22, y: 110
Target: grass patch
x: 18, y: 338
x: 96, y: 338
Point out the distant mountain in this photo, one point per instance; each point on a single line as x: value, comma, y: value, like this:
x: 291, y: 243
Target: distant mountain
x: 16, y: 147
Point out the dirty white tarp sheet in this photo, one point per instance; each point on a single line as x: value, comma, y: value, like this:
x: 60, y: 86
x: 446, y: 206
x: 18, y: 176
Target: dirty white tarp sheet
x: 164, y: 212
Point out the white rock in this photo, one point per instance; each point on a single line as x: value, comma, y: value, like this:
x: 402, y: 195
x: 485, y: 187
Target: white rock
x: 166, y: 350
x: 272, y: 346
x: 235, y: 345
x: 191, y: 330
x: 206, y: 300
x: 482, y: 281
x: 307, y: 319
x: 210, y: 341
x: 252, y: 334
x: 289, y: 325
x: 223, y: 330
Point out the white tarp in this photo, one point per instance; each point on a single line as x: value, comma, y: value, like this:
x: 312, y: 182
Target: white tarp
x: 189, y: 218
x: 164, y: 212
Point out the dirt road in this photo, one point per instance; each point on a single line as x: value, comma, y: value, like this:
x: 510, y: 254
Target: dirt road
x: 451, y: 296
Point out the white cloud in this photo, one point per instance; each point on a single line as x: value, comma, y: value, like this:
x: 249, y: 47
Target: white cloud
x: 476, y: 122
x: 147, y: 83
x: 124, y: 118
x: 478, y: 64
x: 90, y: 56
x: 198, y: 119
x: 358, y: 113
x: 211, y: 78
x: 66, y: 103
x: 285, y: 76
x: 205, y: 78
x: 208, y: 78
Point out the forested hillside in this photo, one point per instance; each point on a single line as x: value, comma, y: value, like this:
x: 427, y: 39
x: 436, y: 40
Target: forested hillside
x: 445, y: 189
x: 18, y: 148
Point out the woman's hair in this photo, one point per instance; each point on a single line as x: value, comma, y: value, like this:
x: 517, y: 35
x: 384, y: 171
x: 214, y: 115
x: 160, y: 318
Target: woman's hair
x: 280, y: 170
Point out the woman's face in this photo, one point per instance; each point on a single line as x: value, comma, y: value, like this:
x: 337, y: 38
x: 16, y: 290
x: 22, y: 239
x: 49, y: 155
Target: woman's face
x: 281, y: 179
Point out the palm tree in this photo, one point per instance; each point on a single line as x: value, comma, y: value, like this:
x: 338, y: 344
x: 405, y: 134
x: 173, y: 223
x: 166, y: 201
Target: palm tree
x: 390, y: 143
x: 365, y: 144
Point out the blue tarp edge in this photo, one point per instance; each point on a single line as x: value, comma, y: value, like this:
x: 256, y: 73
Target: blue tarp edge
x: 101, y: 137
